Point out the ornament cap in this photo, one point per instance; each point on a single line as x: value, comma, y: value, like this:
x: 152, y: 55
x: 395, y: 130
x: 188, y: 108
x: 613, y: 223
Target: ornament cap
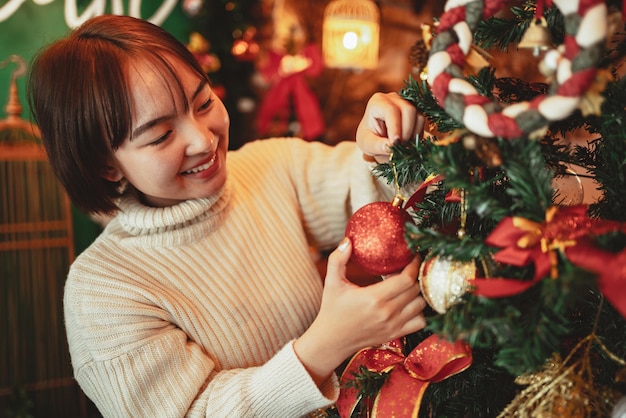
x: 397, y: 201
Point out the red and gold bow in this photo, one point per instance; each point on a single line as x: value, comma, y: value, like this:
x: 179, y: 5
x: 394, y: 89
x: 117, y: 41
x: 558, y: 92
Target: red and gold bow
x: 566, y: 229
x: 433, y: 360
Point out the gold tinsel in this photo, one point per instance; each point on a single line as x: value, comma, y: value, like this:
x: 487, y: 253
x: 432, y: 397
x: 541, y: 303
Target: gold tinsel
x: 565, y: 388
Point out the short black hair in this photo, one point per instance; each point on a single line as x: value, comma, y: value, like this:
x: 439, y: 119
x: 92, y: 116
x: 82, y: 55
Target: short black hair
x: 79, y: 95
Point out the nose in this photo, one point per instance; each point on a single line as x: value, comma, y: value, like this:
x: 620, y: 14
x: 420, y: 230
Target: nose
x: 199, y: 138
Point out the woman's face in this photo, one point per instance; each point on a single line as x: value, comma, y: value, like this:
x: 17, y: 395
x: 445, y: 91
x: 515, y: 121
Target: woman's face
x: 173, y: 155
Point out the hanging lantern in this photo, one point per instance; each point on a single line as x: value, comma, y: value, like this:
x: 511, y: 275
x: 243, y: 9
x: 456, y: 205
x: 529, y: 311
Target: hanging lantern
x: 350, y: 34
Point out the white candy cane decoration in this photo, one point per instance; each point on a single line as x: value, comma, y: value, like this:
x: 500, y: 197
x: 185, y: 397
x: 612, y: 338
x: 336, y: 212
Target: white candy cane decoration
x: 574, y: 64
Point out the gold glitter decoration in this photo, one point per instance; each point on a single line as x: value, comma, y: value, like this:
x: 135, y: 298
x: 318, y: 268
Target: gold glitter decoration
x: 565, y: 388
x: 444, y: 281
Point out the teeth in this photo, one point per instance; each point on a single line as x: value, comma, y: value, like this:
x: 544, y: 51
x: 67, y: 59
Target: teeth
x: 201, y: 167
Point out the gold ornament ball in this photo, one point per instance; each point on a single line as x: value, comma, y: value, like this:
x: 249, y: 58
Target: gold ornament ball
x: 444, y: 281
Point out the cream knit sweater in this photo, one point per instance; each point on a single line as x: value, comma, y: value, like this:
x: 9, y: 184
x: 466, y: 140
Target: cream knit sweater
x: 191, y: 310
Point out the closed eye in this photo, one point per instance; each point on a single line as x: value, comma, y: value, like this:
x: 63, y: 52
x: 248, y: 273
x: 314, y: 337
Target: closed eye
x: 160, y: 139
x: 205, y: 105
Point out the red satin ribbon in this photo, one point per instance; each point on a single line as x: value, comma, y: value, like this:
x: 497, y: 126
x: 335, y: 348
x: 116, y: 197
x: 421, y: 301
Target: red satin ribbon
x: 433, y: 360
x: 419, y: 194
x: 566, y: 229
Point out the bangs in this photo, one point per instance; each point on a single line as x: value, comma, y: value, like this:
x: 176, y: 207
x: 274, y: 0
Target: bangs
x: 167, y: 81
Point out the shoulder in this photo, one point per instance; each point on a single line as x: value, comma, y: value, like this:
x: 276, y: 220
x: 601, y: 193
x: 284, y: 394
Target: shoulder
x: 265, y: 156
x: 289, y: 149
x: 101, y: 259
x: 269, y: 147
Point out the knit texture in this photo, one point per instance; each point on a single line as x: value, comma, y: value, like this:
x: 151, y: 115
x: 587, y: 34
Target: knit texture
x: 191, y: 310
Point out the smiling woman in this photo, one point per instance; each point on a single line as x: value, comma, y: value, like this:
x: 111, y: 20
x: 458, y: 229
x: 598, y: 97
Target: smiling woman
x: 185, y: 131
x: 200, y: 297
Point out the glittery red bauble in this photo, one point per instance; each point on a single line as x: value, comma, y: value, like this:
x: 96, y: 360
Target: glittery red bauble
x: 377, y: 234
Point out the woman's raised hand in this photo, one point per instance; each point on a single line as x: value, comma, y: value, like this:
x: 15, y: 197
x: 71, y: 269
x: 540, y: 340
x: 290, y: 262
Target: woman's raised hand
x: 388, y: 119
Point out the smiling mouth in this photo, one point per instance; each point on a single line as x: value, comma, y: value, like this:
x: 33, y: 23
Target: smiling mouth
x: 202, y: 167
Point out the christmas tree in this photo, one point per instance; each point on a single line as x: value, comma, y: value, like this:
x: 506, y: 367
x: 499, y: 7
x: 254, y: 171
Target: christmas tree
x: 526, y: 285
x: 224, y: 39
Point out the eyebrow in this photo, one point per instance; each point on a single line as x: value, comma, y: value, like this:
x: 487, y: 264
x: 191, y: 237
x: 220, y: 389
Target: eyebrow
x: 199, y: 89
x: 142, y: 128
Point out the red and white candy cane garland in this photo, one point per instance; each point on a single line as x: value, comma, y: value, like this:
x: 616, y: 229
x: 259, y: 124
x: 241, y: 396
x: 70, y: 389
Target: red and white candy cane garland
x: 574, y: 64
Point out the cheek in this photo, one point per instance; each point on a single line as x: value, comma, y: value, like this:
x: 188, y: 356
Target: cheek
x: 219, y: 120
x: 150, y: 171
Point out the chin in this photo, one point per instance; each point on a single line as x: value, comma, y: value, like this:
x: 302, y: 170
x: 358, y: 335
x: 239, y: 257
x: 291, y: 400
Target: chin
x: 217, y: 183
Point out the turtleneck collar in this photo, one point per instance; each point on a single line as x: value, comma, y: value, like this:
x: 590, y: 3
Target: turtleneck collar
x: 172, y: 225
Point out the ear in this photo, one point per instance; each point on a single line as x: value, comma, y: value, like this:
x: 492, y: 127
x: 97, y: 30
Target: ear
x: 113, y: 174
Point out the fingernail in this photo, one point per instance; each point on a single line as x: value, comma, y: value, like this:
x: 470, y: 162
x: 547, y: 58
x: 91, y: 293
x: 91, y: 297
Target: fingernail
x: 386, y: 148
x: 343, y: 245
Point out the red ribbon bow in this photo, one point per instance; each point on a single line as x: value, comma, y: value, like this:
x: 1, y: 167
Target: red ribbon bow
x: 293, y: 90
x: 568, y: 230
x: 433, y: 360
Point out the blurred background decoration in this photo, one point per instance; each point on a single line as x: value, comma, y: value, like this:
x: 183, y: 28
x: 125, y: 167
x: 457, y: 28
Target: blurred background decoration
x: 36, y: 249
x: 351, y: 34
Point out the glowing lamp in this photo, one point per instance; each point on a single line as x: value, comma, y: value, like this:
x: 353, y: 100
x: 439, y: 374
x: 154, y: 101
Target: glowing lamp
x: 350, y: 34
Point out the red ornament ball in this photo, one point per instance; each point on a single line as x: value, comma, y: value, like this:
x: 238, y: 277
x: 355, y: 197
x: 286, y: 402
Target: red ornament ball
x: 377, y: 234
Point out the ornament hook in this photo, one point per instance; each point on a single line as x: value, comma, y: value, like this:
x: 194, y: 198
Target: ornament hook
x: 399, y: 198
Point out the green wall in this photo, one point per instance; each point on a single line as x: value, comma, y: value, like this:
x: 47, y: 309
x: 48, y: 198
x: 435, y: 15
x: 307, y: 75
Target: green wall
x: 30, y: 27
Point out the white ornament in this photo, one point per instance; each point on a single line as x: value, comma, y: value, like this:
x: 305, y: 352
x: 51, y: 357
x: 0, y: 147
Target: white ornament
x: 444, y: 281
x: 619, y: 410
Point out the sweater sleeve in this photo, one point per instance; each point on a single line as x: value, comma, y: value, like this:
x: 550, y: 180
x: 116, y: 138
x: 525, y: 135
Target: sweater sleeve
x: 272, y: 390
x: 332, y: 182
x: 132, y: 362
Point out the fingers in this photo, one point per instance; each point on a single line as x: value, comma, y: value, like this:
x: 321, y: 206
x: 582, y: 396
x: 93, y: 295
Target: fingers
x: 413, y: 307
x: 373, y: 143
x: 403, y: 286
x: 410, y: 305
x: 372, y: 314
x: 396, y: 284
x: 412, y: 269
x: 411, y: 122
x: 338, y: 259
x: 388, y: 119
x: 418, y: 128
x: 414, y: 324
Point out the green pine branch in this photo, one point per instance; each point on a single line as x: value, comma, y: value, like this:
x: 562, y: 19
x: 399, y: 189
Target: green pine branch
x: 367, y: 382
x: 523, y: 330
x: 501, y: 178
x: 606, y: 157
x: 502, y: 32
x: 419, y: 93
